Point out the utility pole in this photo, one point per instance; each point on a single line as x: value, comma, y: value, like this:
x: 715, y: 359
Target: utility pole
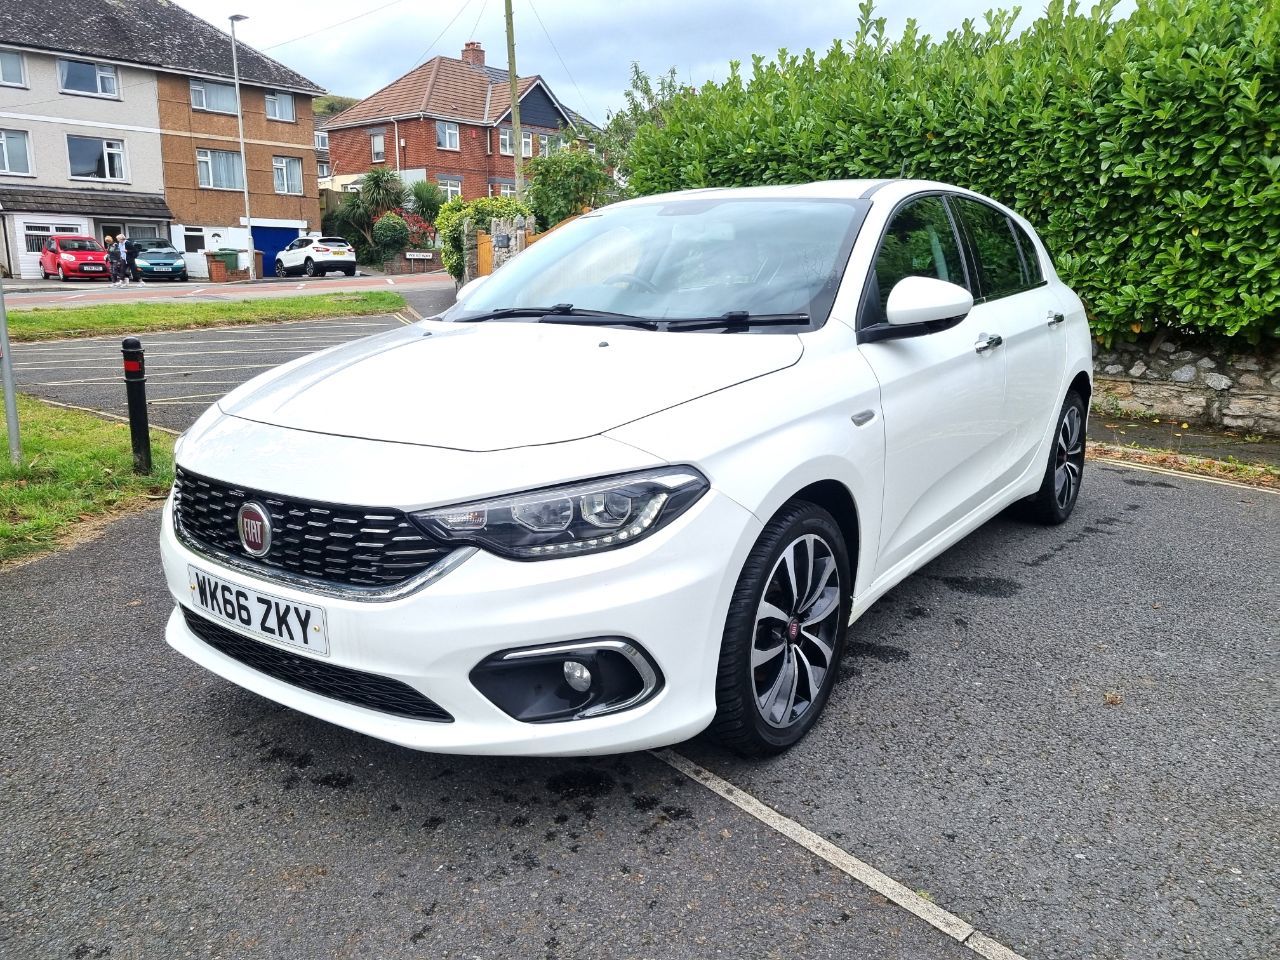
x: 518, y: 148
x: 8, y: 386
x: 244, y: 163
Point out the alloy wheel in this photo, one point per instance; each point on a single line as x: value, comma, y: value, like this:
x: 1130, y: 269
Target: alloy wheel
x: 796, y: 629
x: 1068, y: 457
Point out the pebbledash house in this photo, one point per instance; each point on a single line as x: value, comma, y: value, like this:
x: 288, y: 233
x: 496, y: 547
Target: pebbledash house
x: 449, y: 121
x: 120, y: 116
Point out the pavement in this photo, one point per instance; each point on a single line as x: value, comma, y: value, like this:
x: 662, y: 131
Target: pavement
x: 153, y: 810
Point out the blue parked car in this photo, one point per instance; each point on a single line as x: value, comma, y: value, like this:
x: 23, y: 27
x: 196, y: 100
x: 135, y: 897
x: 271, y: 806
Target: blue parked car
x: 160, y: 260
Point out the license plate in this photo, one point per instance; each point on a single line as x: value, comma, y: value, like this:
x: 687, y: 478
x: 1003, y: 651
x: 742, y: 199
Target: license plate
x: 163, y: 269
x: 90, y: 268
x: 339, y: 253
x: 297, y: 625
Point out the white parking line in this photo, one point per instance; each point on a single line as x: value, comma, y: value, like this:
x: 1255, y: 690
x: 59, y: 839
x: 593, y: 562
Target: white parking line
x: 104, y: 413
x: 1180, y: 473
x: 959, y: 930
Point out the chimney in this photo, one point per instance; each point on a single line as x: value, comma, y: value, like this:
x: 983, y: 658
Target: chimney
x: 473, y: 53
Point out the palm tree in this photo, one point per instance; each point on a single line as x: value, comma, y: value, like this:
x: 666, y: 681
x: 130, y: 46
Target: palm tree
x: 380, y: 190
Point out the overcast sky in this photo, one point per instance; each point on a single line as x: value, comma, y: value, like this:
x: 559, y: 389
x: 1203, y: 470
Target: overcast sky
x: 597, y: 39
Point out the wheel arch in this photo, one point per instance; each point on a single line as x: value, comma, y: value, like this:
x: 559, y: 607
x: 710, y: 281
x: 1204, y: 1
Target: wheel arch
x: 1083, y: 385
x: 834, y: 497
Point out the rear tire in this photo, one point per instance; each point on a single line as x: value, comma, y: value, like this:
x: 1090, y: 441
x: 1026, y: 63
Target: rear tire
x: 309, y: 268
x: 350, y: 271
x: 782, y: 643
x: 1064, y: 473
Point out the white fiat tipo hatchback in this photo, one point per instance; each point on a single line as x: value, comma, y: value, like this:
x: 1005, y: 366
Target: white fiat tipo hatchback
x: 640, y: 481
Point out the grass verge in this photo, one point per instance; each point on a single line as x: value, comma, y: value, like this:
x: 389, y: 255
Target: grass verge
x: 77, y: 469
x: 1253, y: 474
x: 53, y: 323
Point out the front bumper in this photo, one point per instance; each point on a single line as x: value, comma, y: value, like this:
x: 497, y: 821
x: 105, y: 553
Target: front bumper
x: 669, y: 593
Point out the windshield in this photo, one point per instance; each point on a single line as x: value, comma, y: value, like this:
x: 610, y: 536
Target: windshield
x: 161, y: 248
x: 154, y: 244
x: 683, y: 259
x: 81, y: 245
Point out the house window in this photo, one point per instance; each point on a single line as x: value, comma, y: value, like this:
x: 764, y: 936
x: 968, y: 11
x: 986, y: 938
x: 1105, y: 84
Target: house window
x: 214, y: 97
x: 451, y: 186
x: 12, y: 73
x: 526, y: 144
x: 94, y: 79
x: 193, y: 239
x: 280, y: 106
x: 96, y: 158
x: 502, y: 189
x: 446, y: 135
x: 504, y: 142
x: 322, y: 140
x: 288, y: 174
x: 322, y: 168
x: 544, y: 143
x: 15, y: 156
x: 378, y: 146
x: 220, y: 169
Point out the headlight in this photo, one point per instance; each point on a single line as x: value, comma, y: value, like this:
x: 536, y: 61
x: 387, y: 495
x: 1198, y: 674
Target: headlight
x: 180, y: 262
x: 68, y: 257
x: 573, y: 519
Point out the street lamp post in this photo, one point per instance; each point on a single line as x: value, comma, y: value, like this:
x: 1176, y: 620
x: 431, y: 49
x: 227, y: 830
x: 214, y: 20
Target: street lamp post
x: 244, y: 162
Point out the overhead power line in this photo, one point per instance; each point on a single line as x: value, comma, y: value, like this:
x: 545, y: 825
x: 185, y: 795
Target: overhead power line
x: 581, y: 96
x: 331, y: 26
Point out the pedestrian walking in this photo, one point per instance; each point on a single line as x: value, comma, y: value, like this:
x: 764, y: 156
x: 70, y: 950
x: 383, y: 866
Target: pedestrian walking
x: 131, y: 250
x: 115, y: 265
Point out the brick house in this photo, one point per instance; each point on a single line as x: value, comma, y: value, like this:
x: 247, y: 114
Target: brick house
x: 449, y: 120
x: 117, y: 116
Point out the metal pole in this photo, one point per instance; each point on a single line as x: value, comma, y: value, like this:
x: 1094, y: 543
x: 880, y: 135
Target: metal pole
x: 135, y: 388
x: 518, y: 152
x: 244, y: 162
x: 8, y: 386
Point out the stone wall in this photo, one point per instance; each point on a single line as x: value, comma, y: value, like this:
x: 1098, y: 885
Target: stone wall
x: 1162, y: 377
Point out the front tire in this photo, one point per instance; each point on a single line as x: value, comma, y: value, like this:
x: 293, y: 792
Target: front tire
x: 280, y: 270
x: 1053, y: 502
x: 784, y: 634
x: 62, y: 274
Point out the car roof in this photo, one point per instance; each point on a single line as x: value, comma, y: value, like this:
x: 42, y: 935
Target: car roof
x: 73, y: 236
x: 890, y: 189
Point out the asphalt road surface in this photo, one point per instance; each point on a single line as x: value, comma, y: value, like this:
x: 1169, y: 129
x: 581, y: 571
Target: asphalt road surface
x: 1066, y: 737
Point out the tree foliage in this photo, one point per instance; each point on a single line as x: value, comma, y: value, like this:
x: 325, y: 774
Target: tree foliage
x: 426, y: 198
x: 480, y: 211
x: 380, y: 191
x: 563, y: 182
x: 643, y: 103
x: 1145, y: 150
x: 390, y: 235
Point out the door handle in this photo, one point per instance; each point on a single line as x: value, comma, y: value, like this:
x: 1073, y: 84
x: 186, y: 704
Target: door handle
x: 1055, y: 318
x: 988, y: 342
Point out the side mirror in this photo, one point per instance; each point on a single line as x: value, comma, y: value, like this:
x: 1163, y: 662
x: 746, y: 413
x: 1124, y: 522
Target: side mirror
x: 926, y: 300
x: 470, y: 287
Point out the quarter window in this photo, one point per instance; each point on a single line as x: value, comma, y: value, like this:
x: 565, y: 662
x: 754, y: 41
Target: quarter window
x: 11, y: 72
x: 920, y: 242
x: 288, y: 174
x: 81, y: 76
x: 280, y: 106
x: 15, y: 156
x: 1001, y: 271
x: 446, y: 135
x: 215, y: 97
x: 220, y: 169
x: 378, y: 147
x: 95, y: 158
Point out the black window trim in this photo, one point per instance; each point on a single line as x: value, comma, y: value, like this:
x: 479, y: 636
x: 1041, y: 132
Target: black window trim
x: 871, y: 333
x: 971, y: 253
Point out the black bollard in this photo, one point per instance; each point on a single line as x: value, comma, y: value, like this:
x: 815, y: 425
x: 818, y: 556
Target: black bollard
x: 135, y: 387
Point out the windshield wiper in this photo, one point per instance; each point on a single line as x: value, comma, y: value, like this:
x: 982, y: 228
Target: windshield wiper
x: 564, y: 313
x: 739, y: 319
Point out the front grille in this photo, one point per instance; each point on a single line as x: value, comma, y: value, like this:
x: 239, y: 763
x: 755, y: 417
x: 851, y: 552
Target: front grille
x: 339, y: 683
x: 353, y: 546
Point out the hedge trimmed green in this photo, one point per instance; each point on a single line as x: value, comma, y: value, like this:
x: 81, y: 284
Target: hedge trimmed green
x: 481, y: 211
x: 1144, y: 150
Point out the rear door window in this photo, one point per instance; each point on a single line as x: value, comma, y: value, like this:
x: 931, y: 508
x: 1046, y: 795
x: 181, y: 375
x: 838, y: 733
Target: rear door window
x: 1002, y: 271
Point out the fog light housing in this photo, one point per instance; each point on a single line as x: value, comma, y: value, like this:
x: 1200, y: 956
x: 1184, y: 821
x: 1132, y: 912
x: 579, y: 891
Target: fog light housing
x: 568, y: 681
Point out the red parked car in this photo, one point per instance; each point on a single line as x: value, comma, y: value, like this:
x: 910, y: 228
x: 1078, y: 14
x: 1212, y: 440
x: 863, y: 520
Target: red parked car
x: 69, y: 257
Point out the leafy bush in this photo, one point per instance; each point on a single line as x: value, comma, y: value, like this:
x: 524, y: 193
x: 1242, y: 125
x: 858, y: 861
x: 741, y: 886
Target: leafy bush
x: 426, y: 199
x: 1144, y: 150
x: 390, y: 235
x: 562, y: 183
x: 481, y: 211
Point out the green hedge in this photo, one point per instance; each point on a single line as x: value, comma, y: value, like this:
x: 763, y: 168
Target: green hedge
x: 1144, y: 150
x: 481, y: 211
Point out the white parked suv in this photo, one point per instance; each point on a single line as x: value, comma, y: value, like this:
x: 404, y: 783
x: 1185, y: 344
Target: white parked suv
x: 316, y: 256
x: 639, y: 482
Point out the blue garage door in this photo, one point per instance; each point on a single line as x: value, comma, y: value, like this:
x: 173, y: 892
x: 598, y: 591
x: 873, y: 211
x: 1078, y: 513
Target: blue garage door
x: 271, y: 240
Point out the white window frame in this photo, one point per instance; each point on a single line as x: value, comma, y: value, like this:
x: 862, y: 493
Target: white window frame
x: 449, y: 187
x: 526, y: 143
x: 322, y: 140
x: 196, y: 84
x: 452, y: 136
x: 378, y: 147
x: 505, y: 147
x: 502, y: 189
x: 282, y: 164
x: 207, y: 161
x: 101, y: 70
x: 278, y: 97
x: 322, y: 169
x: 107, y: 151
x: 5, y: 168
x: 544, y: 144
x: 22, y: 69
